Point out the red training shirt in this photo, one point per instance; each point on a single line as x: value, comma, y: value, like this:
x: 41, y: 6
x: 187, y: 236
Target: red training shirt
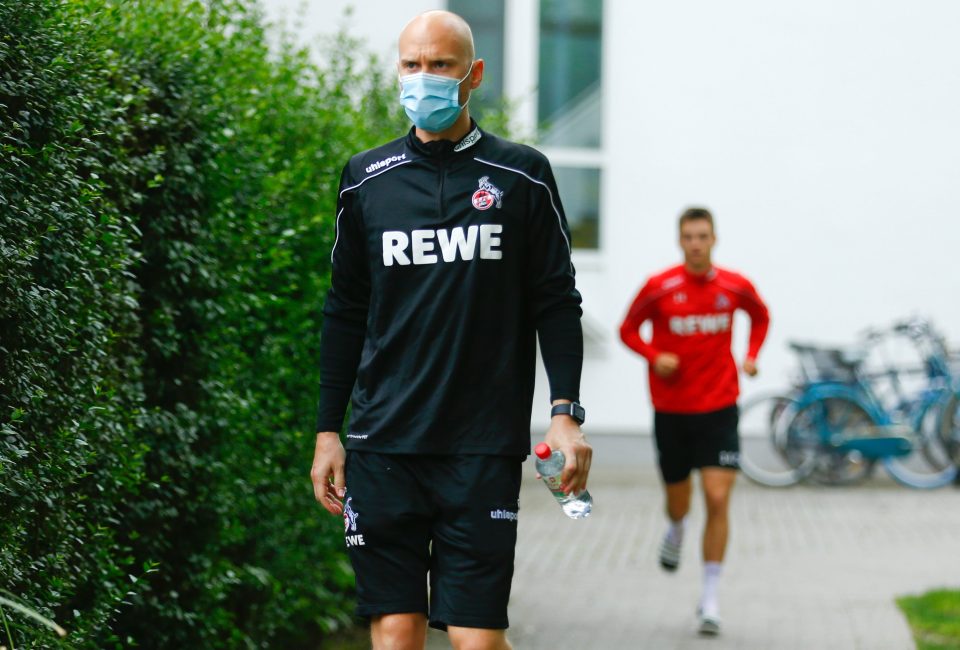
x: 693, y: 318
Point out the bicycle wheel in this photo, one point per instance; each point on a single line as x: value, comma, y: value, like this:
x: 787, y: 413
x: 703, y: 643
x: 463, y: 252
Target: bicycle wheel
x: 950, y: 428
x: 914, y: 469
x: 928, y: 464
x: 768, y: 454
x: 936, y: 448
x: 829, y: 420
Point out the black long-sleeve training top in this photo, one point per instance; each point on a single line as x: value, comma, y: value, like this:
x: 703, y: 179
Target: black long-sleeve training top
x: 449, y: 259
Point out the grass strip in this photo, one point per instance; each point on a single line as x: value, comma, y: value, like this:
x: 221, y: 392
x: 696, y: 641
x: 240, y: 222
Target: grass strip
x: 934, y: 618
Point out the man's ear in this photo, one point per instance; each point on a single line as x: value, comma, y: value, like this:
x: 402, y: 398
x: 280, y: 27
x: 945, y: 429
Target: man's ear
x: 476, y: 75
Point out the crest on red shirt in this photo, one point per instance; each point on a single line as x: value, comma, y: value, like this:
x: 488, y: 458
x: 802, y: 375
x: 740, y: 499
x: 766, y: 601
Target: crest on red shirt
x: 722, y: 302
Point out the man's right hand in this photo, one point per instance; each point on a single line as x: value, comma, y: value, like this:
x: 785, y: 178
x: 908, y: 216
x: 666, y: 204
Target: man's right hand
x: 666, y: 364
x: 329, y: 485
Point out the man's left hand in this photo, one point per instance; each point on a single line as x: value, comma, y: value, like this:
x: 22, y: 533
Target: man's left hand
x: 565, y: 434
x: 750, y: 367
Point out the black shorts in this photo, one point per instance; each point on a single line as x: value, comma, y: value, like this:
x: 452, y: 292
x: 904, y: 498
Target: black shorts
x: 692, y: 440
x: 452, y: 518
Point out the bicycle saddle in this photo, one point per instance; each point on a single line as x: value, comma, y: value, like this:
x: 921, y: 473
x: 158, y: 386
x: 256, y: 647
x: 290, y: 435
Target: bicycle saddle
x: 852, y: 355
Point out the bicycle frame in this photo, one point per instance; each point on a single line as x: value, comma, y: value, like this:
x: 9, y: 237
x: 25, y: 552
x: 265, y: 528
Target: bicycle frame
x: 882, y: 439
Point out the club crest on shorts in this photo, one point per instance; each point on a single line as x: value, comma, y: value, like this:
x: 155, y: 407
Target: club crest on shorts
x: 488, y: 195
x: 349, y: 516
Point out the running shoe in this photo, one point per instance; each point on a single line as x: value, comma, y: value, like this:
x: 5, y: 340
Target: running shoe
x: 669, y: 554
x: 709, y: 623
x: 709, y: 626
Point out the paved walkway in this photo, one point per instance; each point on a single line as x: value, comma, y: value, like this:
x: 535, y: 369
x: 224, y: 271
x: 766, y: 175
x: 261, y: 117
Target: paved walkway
x: 807, y: 567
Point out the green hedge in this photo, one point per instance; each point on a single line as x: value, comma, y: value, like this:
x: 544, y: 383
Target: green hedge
x: 167, y: 189
x: 70, y: 397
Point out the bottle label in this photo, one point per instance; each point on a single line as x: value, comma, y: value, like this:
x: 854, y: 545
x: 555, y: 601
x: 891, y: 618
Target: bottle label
x: 553, y: 484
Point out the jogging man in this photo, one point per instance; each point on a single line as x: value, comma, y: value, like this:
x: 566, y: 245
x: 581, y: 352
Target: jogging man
x: 693, y: 384
x: 452, y: 255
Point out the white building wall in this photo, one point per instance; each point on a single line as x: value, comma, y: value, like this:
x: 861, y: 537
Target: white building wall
x: 377, y: 22
x: 823, y: 135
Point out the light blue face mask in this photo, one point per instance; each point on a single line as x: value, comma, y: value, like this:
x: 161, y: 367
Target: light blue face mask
x: 432, y: 101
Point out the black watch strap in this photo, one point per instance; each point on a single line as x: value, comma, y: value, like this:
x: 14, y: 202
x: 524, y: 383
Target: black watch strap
x: 573, y: 409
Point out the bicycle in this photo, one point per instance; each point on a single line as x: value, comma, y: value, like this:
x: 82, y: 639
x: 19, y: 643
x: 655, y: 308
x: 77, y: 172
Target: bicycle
x: 833, y: 427
x: 824, y: 429
x: 923, y: 409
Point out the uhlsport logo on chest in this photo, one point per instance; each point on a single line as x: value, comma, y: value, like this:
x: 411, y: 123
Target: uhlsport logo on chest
x: 386, y: 162
x: 487, y: 195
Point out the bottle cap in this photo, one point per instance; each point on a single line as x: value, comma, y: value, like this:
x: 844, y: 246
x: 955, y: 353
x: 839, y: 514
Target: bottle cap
x: 542, y: 451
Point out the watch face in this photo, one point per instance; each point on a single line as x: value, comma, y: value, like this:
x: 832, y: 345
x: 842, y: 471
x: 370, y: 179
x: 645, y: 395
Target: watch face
x: 579, y: 413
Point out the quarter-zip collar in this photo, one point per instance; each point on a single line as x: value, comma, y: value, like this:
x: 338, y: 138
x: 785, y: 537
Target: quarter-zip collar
x: 444, y: 148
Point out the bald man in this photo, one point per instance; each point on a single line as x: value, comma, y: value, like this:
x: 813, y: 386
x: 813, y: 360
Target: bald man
x: 452, y: 255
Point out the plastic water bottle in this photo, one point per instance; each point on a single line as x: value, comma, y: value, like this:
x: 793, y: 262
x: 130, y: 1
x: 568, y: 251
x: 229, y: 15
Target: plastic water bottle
x: 550, y: 465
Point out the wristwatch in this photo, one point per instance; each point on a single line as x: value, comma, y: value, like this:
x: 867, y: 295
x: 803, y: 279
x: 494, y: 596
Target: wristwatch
x: 573, y: 409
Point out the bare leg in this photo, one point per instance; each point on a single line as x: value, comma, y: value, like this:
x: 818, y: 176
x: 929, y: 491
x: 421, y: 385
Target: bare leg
x: 399, y: 632
x: 717, y: 486
x: 678, y: 498
x: 678, y: 504
x: 474, y: 638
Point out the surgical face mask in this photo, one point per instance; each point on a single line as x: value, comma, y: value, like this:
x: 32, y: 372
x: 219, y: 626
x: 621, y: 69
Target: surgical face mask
x: 432, y: 101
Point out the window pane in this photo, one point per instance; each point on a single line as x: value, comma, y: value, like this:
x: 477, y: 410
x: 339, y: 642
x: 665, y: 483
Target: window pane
x: 580, y: 194
x: 486, y: 20
x: 569, y: 86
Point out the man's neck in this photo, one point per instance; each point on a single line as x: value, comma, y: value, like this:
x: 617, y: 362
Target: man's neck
x: 699, y: 269
x: 455, y: 133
